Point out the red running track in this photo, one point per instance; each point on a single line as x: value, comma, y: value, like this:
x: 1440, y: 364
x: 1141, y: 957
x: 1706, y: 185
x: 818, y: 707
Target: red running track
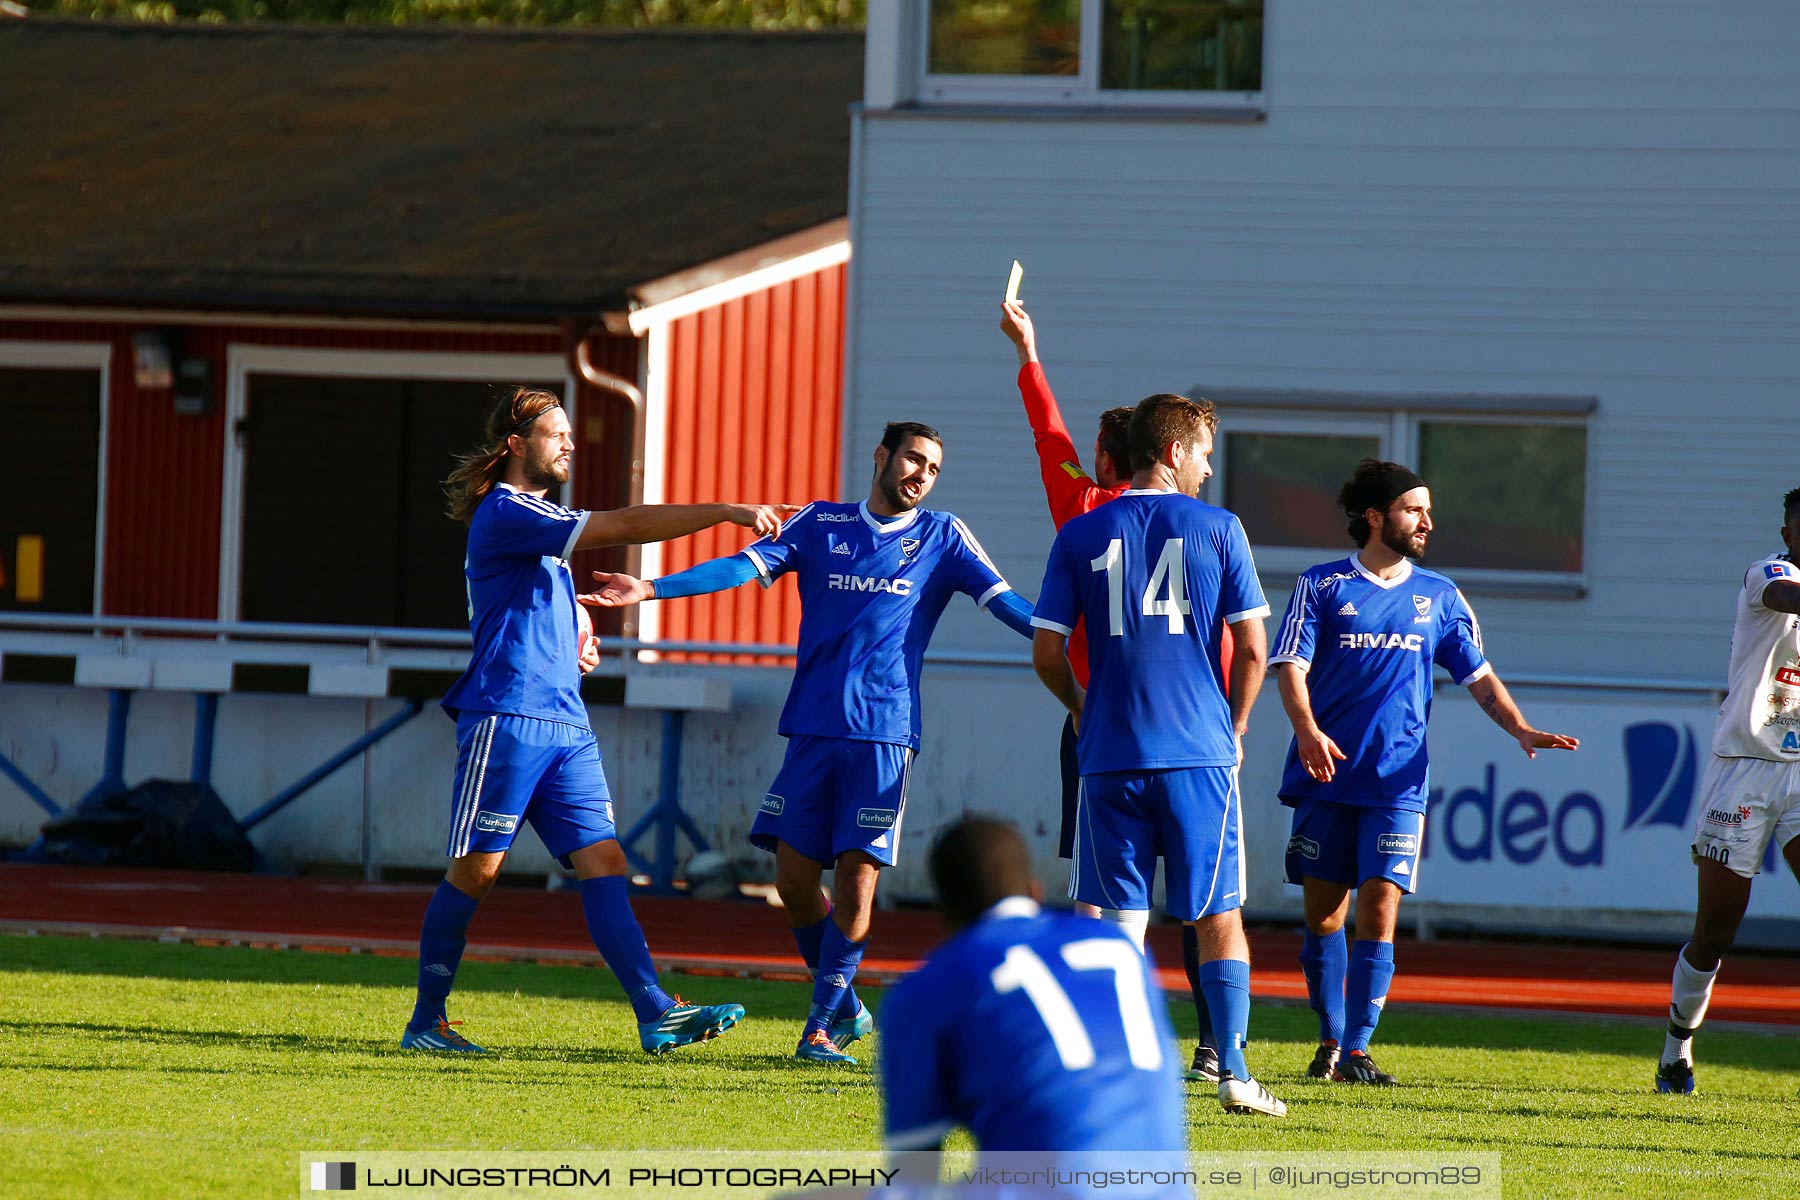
x: 750, y: 938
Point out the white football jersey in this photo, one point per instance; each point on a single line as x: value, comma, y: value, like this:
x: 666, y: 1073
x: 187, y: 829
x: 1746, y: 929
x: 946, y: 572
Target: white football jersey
x: 1761, y: 714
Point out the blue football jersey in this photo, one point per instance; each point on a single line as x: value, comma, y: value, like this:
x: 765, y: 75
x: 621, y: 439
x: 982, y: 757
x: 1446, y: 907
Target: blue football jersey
x: 1153, y: 574
x: 1034, y: 1030
x: 521, y: 611
x: 1367, y: 645
x: 871, y: 592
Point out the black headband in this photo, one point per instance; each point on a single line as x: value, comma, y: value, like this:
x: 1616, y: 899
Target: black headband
x: 523, y: 425
x: 1386, y: 488
x: 1397, y: 483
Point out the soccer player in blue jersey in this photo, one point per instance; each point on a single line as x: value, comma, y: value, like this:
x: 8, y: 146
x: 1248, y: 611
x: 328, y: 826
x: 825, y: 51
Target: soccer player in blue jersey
x: 874, y: 579
x: 1355, y: 653
x: 525, y: 750
x: 1035, y: 1030
x: 1153, y: 574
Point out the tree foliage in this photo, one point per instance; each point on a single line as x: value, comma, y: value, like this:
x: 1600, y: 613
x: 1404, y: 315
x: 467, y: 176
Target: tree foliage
x: 631, y: 14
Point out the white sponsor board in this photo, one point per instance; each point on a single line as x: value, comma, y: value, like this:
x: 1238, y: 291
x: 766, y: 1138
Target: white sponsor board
x: 1603, y: 828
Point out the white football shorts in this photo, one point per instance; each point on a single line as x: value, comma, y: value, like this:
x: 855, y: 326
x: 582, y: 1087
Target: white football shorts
x: 1743, y: 803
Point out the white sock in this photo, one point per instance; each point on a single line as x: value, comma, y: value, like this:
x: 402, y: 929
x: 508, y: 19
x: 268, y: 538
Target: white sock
x: 1690, y: 991
x: 1134, y: 921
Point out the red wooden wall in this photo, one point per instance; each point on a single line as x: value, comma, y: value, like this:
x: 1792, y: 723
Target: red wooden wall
x: 755, y: 409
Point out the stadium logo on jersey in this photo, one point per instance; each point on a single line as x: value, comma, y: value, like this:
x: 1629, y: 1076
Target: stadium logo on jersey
x: 1397, y: 843
x: 1304, y: 847
x: 868, y: 583
x: 1349, y: 610
x: 908, y: 548
x: 493, y: 822
x: 844, y: 518
x: 773, y: 804
x: 1423, y: 604
x: 1381, y: 641
x: 875, y: 818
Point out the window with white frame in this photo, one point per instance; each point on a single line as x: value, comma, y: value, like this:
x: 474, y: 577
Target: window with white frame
x: 1508, y: 479
x: 1182, y: 53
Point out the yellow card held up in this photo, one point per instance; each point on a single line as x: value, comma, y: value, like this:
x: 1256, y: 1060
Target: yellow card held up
x: 1012, y: 281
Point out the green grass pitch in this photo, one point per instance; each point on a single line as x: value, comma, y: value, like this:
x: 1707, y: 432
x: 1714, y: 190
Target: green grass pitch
x: 139, y: 1069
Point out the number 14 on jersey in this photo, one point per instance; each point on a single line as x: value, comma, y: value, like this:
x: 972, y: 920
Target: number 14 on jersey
x: 1168, y: 577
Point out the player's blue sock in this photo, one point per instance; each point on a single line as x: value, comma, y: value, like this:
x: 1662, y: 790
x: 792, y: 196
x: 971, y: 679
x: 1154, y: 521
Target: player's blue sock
x: 808, y: 937
x: 1190, y: 959
x: 616, y: 933
x: 838, y: 959
x: 1324, y: 961
x: 1226, y: 982
x: 442, y: 937
x: 1371, y: 970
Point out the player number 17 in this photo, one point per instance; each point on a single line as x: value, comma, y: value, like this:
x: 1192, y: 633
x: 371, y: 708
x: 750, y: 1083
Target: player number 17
x: 1169, y: 573
x: 1023, y: 970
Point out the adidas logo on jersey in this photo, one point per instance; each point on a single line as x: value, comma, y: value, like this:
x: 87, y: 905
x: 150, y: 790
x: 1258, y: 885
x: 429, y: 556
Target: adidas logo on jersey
x: 841, y: 548
x: 1349, y: 610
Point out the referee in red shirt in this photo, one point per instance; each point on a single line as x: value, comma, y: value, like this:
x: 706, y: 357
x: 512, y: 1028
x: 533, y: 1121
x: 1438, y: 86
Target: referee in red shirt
x: 1071, y: 491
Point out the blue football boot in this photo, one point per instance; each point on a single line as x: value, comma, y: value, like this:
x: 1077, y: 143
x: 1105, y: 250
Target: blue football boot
x: 440, y: 1037
x: 683, y: 1024
x: 818, y: 1047
x: 1675, y: 1078
x: 845, y: 1030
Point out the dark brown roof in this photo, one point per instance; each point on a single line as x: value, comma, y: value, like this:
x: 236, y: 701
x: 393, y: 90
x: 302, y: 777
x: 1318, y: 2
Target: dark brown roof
x: 423, y: 172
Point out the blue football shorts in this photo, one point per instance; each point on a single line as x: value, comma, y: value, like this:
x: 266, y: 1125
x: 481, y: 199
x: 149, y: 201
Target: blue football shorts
x: 511, y: 768
x: 836, y: 794
x: 1189, y: 817
x: 1349, y: 843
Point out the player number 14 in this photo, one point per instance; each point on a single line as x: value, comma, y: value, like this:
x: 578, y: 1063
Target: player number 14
x: 1168, y: 573
x: 1022, y: 970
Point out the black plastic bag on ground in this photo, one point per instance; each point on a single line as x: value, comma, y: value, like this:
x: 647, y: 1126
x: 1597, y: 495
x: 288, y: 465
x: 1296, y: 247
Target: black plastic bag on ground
x: 158, y: 823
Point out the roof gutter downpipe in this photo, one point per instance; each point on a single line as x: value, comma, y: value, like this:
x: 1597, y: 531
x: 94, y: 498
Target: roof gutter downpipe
x: 581, y: 365
x: 576, y: 335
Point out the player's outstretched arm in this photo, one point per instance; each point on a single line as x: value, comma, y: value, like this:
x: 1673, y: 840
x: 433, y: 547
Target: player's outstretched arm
x: 643, y: 523
x: 1050, y: 659
x: 1011, y: 610
x: 1498, y: 704
x: 1318, y: 753
x: 615, y: 589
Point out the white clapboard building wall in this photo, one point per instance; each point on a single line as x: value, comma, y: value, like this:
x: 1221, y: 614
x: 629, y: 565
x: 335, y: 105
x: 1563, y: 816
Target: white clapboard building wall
x: 1542, y: 251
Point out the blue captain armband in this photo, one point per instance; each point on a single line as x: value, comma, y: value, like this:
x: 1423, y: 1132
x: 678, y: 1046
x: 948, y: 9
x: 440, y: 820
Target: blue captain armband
x: 714, y: 575
x: 1011, y: 610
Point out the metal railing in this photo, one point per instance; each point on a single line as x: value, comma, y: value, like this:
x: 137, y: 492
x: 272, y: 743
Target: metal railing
x: 124, y: 633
